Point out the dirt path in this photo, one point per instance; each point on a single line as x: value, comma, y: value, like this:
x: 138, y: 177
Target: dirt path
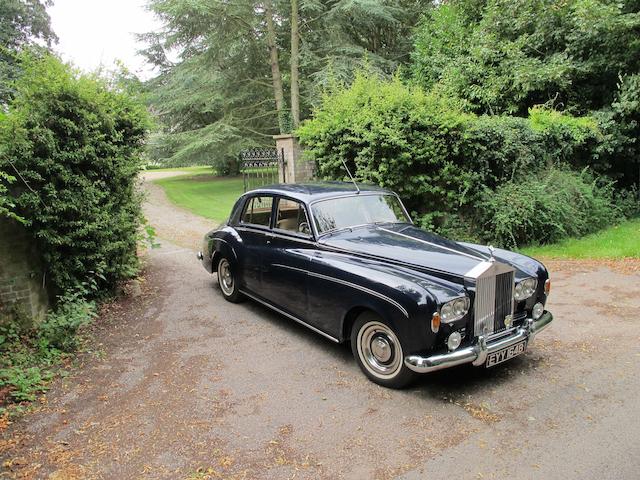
x: 181, y: 226
x: 188, y: 386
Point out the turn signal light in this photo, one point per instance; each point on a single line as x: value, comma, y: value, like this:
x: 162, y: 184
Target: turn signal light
x: 547, y: 286
x: 435, y: 322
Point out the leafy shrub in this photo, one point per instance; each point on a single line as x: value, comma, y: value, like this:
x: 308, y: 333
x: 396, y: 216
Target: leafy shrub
x: 76, y: 144
x: 29, y: 355
x: 545, y: 209
x: 61, y: 325
x: 394, y: 136
x: 619, y: 153
x: 439, y: 159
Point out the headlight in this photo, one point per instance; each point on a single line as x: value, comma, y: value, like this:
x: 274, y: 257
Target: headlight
x: 525, y: 288
x: 454, y: 309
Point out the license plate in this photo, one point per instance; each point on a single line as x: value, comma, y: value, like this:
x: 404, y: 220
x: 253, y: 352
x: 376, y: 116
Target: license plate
x: 506, y: 353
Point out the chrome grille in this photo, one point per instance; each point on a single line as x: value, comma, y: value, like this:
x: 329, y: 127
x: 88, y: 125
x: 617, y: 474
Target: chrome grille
x: 493, y: 299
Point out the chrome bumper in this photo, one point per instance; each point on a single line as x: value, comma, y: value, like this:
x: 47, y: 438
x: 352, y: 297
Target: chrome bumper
x: 477, y: 353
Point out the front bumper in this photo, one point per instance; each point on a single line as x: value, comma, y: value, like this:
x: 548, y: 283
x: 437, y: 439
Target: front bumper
x: 477, y: 353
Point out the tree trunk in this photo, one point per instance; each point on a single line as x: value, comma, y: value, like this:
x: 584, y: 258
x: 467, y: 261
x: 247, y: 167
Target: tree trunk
x: 295, y: 50
x: 276, y: 77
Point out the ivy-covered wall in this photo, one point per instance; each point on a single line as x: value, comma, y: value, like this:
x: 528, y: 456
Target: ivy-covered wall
x: 22, y: 292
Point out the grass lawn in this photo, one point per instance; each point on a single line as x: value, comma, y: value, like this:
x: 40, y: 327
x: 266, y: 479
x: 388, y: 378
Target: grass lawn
x: 204, y: 194
x: 193, y: 170
x: 619, y: 241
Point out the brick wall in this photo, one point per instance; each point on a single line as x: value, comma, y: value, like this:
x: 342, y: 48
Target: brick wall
x: 21, y: 283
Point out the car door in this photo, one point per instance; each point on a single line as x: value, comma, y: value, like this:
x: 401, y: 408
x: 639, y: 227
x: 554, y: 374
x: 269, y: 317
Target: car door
x: 287, y: 257
x: 253, y: 228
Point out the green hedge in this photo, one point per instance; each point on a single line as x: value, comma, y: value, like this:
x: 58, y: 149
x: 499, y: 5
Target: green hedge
x: 440, y: 160
x: 544, y: 209
x: 73, y: 145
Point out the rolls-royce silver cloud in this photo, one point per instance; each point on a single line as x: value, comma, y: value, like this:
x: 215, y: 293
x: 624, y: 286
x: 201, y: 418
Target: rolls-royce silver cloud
x: 349, y: 264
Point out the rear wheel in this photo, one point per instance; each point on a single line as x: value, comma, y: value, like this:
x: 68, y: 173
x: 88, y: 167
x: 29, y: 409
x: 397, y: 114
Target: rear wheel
x: 379, y: 353
x: 227, y: 281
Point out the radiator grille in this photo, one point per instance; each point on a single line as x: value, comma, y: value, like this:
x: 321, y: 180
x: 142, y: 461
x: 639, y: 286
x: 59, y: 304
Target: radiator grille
x: 493, y: 302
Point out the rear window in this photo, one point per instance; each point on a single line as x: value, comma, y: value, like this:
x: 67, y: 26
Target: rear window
x: 257, y: 211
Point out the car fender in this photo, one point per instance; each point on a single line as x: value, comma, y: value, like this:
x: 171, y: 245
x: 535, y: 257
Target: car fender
x: 404, y: 298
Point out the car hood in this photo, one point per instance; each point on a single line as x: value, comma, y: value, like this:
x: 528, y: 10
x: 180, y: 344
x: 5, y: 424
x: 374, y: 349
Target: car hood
x: 411, y: 246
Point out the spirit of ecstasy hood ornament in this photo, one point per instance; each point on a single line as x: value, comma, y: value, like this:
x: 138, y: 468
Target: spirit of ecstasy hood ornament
x: 491, y: 250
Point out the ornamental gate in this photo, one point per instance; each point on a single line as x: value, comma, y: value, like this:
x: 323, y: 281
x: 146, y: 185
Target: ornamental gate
x: 262, y: 166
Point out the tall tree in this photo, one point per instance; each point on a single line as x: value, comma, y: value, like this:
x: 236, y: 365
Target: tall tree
x: 276, y: 76
x: 23, y: 24
x: 236, y: 62
x: 295, y: 65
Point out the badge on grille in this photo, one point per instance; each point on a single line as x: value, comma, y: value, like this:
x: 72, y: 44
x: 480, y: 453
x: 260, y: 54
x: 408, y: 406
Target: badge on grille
x: 508, y: 320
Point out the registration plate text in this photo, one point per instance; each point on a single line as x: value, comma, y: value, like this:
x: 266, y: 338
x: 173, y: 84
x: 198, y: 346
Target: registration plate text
x: 506, y: 353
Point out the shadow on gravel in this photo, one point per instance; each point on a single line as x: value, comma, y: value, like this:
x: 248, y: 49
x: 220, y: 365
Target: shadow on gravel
x: 457, y: 381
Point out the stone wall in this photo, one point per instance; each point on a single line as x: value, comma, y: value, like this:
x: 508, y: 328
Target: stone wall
x: 22, y: 294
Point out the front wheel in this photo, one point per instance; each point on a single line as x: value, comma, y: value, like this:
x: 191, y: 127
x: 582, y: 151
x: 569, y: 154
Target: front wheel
x: 227, y: 281
x: 378, y: 352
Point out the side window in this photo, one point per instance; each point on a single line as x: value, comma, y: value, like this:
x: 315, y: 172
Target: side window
x: 257, y: 211
x: 292, y: 217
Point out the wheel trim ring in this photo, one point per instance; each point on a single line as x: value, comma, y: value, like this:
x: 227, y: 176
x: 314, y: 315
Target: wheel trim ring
x: 367, y: 334
x: 225, y: 278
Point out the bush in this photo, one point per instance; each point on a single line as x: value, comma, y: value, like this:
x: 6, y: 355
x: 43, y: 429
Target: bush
x: 545, y: 209
x: 61, y: 325
x: 76, y: 144
x: 394, y: 136
x: 29, y: 355
x: 619, y: 153
x: 439, y: 159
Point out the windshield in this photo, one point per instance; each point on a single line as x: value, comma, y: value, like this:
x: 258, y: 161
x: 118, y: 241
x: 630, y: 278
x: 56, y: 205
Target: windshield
x: 344, y: 212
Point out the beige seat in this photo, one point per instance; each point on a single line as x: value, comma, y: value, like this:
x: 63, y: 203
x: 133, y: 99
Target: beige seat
x: 290, y: 224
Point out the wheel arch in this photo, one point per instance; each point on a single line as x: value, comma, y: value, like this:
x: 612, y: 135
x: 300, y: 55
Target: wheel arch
x: 355, y: 312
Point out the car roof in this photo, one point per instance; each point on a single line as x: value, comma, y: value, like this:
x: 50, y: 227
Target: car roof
x: 309, y: 192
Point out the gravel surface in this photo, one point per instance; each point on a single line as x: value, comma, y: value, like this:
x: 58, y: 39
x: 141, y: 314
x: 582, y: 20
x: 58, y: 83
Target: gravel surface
x: 188, y: 386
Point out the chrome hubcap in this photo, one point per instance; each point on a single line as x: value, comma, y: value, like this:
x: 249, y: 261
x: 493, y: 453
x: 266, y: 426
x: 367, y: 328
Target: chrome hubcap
x: 225, y: 278
x: 379, y: 350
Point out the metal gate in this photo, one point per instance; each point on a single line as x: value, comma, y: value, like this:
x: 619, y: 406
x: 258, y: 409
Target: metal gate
x: 262, y: 166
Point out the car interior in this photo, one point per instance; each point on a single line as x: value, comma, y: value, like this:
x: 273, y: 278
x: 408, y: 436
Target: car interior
x: 292, y: 217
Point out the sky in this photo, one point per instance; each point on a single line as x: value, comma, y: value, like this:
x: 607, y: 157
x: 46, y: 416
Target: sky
x: 96, y: 32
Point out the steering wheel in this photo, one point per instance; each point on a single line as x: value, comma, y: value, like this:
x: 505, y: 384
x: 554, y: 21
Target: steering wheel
x: 303, y: 227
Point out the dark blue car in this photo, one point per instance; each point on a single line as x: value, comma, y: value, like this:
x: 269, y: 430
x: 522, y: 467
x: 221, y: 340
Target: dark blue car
x: 350, y: 265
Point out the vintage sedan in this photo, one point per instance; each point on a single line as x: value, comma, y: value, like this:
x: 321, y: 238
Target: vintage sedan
x: 349, y: 264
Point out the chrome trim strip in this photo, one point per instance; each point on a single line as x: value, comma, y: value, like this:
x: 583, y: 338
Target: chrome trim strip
x: 270, y: 232
x: 436, y: 245
x: 349, y: 284
x: 477, y: 353
x: 292, y: 317
x: 233, y: 250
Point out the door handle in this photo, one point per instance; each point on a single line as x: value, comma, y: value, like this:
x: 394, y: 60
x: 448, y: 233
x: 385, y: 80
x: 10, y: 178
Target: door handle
x: 269, y: 238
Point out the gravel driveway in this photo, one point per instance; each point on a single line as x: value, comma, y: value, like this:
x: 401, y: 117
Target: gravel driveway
x: 188, y: 386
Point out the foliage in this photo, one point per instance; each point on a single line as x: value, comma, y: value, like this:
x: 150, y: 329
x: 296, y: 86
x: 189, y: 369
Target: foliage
x: 505, y: 56
x: 23, y: 24
x: 617, y: 241
x: 6, y: 203
x: 61, y: 325
x: 440, y: 160
x: 77, y: 146
x: 546, y: 208
x: 218, y: 97
x: 30, y: 355
x: 619, y: 153
x: 395, y: 136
